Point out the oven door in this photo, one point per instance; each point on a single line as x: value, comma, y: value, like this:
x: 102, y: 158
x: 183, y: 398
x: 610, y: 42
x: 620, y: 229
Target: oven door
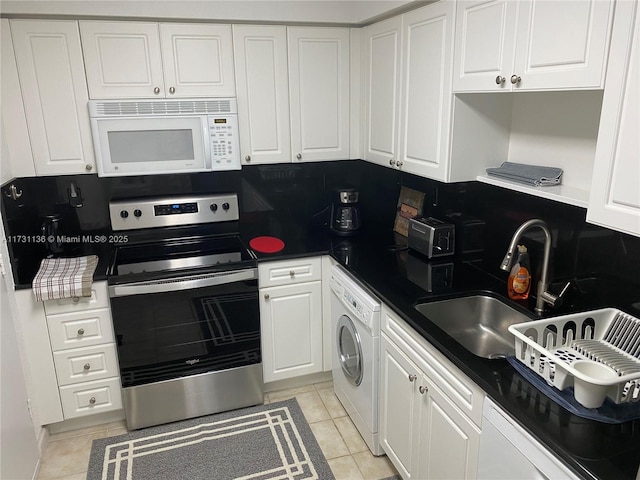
x: 171, y: 328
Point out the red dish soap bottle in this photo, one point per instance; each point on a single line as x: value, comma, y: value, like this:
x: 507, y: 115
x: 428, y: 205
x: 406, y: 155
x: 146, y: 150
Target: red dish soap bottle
x: 519, y: 282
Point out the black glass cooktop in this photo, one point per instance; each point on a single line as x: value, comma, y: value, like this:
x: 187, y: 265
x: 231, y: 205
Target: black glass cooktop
x: 177, y: 255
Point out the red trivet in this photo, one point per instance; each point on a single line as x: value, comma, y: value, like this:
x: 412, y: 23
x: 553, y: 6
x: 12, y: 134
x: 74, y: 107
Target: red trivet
x: 266, y: 244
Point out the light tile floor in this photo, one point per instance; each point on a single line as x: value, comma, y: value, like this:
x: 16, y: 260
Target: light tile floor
x: 66, y: 455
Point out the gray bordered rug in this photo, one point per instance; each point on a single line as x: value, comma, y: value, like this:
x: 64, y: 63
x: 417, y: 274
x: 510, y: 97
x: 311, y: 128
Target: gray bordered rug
x: 271, y: 441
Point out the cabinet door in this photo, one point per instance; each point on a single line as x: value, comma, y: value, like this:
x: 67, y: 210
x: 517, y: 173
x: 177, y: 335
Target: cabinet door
x: 260, y: 54
x: 484, y: 45
x: 614, y: 200
x: 562, y: 44
x: 197, y: 60
x: 426, y: 97
x: 54, y: 91
x: 382, y: 86
x: 399, y: 408
x: 319, y: 92
x: 17, y: 159
x: 122, y: 59
x: 291, y: 321
x: 449, y: 442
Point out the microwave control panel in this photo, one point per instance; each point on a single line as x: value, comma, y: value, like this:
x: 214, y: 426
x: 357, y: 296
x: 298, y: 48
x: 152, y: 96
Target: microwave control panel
x: 224, y: 144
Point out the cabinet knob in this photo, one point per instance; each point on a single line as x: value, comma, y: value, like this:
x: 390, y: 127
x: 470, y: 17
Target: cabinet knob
x: 500, y: 80
x: 423, y: 389
x: 92, y: 400
x: 266, y: 296
x: 392, y: 162
x: 515, y: 79
x: 87, y: 366
x: 399, y: 163
x: 292, y: 274
x: 75, y: 299
x: 88, y: 167
x: 412, y: 377
x: 247, y: 158
x: 172, y: 90
x: 81, y: 331
x: 156, y: 90
x: 299, y: 156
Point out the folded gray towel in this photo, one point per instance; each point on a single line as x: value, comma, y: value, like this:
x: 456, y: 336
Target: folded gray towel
x: 529, y: 174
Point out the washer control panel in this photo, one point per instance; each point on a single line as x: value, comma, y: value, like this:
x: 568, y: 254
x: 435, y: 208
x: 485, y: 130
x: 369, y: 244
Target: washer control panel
x: 362, y: 306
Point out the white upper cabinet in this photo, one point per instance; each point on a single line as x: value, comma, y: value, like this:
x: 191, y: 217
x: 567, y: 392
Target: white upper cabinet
x: 408, y: 63
x: 319, y: 92
x: 197, y: 60
x: 427, y: 43
x: 150, y: 60
x: 262, y: 82
x: 503, y: 45
x: 54, y: 92
x: 614, y: 200
x: 382, y: 77
x: 17, y: 160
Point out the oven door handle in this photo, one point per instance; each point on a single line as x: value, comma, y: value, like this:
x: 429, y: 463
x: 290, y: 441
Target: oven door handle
x: 182, y: 283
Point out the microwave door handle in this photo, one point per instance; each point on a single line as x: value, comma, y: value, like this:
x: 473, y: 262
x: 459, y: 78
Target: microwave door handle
x: 183, y: 283
x: 206, y: 137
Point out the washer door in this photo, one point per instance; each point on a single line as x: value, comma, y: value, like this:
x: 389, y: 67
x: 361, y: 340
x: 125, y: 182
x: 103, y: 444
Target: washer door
x: 349, y: 350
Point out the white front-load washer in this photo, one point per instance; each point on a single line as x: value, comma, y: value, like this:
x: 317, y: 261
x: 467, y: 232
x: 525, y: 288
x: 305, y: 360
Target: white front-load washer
x: 355, y: 318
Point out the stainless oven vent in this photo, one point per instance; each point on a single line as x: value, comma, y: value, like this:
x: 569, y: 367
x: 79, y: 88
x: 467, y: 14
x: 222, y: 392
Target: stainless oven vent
x: 146, y: 108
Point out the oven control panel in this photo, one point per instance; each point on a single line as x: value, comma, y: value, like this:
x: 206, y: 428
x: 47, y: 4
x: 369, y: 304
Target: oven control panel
x: 172, y: 211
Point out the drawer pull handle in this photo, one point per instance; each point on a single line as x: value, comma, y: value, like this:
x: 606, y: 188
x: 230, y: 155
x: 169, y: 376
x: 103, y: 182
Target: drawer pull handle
x: 423, y: 389
x: 76, y: 299
x: 412, y: 377
x: 80, y: 332
x: 292, y: 274
x: 92, y: 400
x: 87, y: 366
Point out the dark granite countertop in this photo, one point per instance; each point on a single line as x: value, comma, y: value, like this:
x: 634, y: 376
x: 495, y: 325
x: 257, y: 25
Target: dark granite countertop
x: 592, y: 449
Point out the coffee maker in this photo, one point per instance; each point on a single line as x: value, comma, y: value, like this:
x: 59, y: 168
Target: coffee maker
x: 345, y: 213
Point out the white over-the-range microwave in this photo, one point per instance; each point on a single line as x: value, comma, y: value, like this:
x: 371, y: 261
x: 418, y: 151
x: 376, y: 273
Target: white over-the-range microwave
x: 147, y: 137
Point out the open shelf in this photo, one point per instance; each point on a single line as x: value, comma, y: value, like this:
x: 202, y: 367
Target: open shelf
x: 559, y: 193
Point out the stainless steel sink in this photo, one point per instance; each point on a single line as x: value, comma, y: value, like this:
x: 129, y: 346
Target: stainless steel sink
x: 478, y: 322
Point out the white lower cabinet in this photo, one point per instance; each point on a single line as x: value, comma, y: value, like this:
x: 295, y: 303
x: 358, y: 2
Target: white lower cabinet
x: 430, y: 413
x: 291, y: 318
x: 84, y: 353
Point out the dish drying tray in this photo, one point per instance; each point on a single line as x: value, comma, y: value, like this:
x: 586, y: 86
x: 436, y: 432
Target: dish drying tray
x: 553, y: 347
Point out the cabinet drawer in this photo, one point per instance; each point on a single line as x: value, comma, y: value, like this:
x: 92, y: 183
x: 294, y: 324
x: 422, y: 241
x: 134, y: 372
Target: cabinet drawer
x: 86, y: 364
x: 99, y: 299
x: 80, y: 329
x: 288, y: 272
x: 460, y: 390
x: 91, y: 397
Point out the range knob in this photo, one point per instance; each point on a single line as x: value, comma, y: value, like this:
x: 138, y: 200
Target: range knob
x: 124, y: 214
x: 213, y: 207
x: 137, y: 213
x: 225, y: 206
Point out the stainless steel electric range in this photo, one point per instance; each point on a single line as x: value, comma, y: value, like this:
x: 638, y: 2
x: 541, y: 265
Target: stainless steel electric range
x: 184, y: 299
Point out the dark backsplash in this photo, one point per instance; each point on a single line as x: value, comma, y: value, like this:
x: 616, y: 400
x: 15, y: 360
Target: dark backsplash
x: 302, y: 193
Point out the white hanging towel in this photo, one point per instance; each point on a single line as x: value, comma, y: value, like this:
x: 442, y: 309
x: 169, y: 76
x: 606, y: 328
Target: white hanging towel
x: 64, y: 277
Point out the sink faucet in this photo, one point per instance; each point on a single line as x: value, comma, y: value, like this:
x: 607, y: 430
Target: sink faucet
x: 543, y: 296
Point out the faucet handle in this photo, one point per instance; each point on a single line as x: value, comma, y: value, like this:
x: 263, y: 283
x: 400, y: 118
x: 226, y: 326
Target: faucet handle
x: 556, y: 300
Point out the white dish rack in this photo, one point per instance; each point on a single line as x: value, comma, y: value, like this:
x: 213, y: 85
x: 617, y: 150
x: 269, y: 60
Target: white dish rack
x: 553, y: 347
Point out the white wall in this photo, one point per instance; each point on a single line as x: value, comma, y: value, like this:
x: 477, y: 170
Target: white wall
x: 18, y: 441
